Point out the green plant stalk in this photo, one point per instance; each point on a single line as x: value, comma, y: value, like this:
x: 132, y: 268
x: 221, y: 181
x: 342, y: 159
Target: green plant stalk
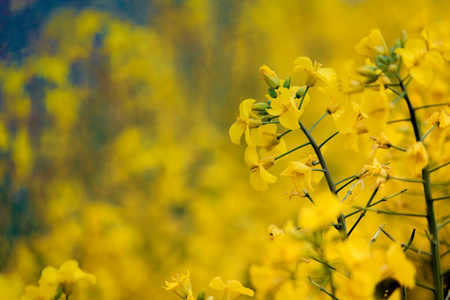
x: 431, y: 217
x: 341, y: 218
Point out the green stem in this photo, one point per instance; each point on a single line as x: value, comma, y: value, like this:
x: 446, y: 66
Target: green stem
x: 321, y: 118
x: 438, y: 167
x: 303, y: 98
x: 332, y: 136
x: 322, y: 289
x: 428, y: 132
x: 441, y: 198
x: 430, y: 105
x: 274, y: 122
x: 388, y: 212
x: 399, y: 120
x: 438, y: 281
x: 292, y: 150
x: 283, y: 134
x: 363, y: 213
x: 332, y: 187
x: 398, y: 148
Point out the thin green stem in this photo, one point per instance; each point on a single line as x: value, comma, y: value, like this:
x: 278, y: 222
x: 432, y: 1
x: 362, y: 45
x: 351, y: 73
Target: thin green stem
x: 319, y: 170
x: 332, y: 187
x: 398, y: 148
x: 321, y: 118
x: 345, y: 179
x: 307, y: 195
x: 438, y: 167
x: 303, y: 98
x: 394, y: 90
x: 339, y: 189
x: 329, y: 266
x: 404, y: 179
x: 403, y: 244
x: 360, y: 210
x: 283, y: 134
x: 322, y: 288
x: 428, y: 132
x: 363, y: 213
x: 399, y: 120
x: 375, y: 237
x: 430, y: 105
x: 411, y: 239
x: 441, y: 198
x: 270, y: 122
x: 438, y: 281
x: 271, y: 118
x: 443, y: 224
x: 388, y: 212
x: 332, y: 136
x: 292, y: 150
x: 422, y: 285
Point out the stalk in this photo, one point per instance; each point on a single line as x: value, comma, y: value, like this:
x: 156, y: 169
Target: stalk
x: 341, y: 218
x: 431, y: 217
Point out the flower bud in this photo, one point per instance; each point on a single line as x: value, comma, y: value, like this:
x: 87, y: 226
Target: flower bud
x: 370, y: 72
x: 267, y: 162
x: 201, y: 295
x: 260, y: 106
x: 272, y: 93
x: 382, y: 61
x: 287, y: 82
x: 392, y: 68
x: 270, y: 77
x: 404, y: 38
x: 254, y: 123
x: 300, y: 92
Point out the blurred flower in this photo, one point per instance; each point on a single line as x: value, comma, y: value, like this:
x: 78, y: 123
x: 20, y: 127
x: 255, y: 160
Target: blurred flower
x: 181, y: 285
x: 300, y: 175
x: 416, y: 158
x: 322, y: 214
x: 232, y: 290
x: 373, y: 45
x: 314, y: 72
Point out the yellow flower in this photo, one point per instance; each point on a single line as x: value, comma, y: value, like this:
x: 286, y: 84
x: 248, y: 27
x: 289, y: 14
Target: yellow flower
x: 68, y: 275
x: 373, y: 45
x: 270, y: 77
x: 314, y: 72
x: 266, y: 137
x: 273, y: 231
x: 181, y: 285
x: 416, y: 158
x: 244, y: 123
x: 285, y: 107
x: 259, y: 177
x: 375, y: 105
x: 420, y: 61
x: 42, y: 292
x: 399, y: 267
x: 300, y: 174
x: 335, y: 107
x: 378, y: 170
x: 436, y: 42
x: 441, y: 120
x: 321, y: 215
x: 230, y: 291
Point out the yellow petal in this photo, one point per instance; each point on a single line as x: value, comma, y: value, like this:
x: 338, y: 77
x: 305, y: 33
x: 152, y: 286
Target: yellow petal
x: 266, y: 176
x: 236, y: 131
x: 290, y: 118
x: 245, y: 107
x: 251, y: 156
x: 217, y: 284
x: 302, y: 63
x: 434, y: 59
x: 257, y: 182
x: 423, y: 75
x: 327, y: 75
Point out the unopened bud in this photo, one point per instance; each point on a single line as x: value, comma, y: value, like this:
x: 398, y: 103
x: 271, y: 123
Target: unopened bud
x: 252, y: 123
x: 270, y: 77
x: 404, y: 38
x: 300, y: 92
x: 260, y: 106
x: 201, y: 295
x: 382, y: 61
x: 287, y: 82
x: 370, y: 72
x: 272, y: 93
x: 267, y: 162
x: 392, y: 68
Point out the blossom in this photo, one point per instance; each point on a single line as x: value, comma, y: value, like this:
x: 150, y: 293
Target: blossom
x: 232, y: 290
x: 373, y: 45
x: 314, y: 72
x: 416, y: 158
x: 259, y: 176
x: 42, y: 292
x: 285, y: 107
x: 68, y: 275
x: 436, y: 42
x: 267, y: 138
x: 378, y: 170
x: 300, y: 175
x: 421, y: 61
x: 326, y: 209
x: 244, y: 123
x: 181, y: 285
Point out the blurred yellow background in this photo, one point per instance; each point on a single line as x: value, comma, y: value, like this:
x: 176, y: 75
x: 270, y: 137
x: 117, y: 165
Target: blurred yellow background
x: 114, y: 120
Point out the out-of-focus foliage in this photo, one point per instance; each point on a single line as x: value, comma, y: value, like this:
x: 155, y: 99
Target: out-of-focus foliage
x: 113, y: 136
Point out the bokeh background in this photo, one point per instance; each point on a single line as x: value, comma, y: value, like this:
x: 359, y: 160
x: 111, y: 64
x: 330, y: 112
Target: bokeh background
x: 114, y: 118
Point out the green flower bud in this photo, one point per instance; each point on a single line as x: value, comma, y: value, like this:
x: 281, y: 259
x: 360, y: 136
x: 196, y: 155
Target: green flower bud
x: 260, y: 106
x: 201, y: 295
x: 404, y: 38
x: 272, y: 93
x: 287, y: 82
x: 370, y: 72
x: 300, y: 92
x: 270, y: 77
x: 382, y: 61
